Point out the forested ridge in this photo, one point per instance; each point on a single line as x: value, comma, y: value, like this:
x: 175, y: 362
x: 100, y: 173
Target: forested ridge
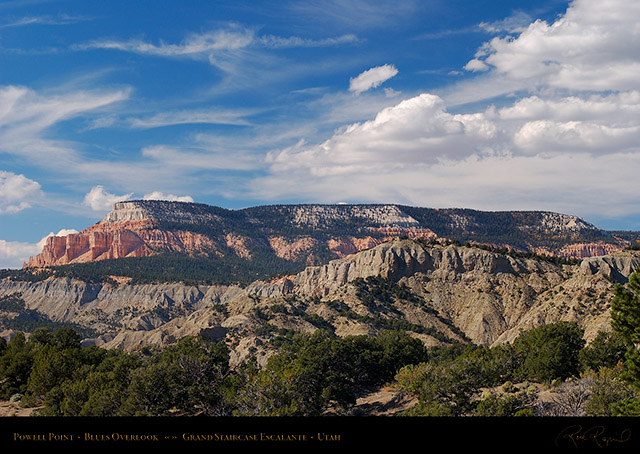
x: 518, y: 229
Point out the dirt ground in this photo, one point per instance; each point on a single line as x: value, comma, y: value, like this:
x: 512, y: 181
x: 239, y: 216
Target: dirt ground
x: 384, y: 402
x: 10, y: 409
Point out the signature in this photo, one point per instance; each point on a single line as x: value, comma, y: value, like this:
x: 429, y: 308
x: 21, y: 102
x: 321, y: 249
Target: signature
x: 577, y: 435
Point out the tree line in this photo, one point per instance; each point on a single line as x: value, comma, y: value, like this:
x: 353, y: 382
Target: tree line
x: 310, y: 375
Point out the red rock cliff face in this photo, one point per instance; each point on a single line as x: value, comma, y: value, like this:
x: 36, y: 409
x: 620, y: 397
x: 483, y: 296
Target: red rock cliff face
x: 582, y: 250
x: 113, y: 240
x: 588, y: 250
x: 90, y: 245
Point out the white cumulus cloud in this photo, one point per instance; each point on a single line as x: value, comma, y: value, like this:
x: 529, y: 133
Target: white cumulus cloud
x: 14, y: 253
x: 157, y: 195
x: 100, y: 200
x: 17, y: 192
x: 476, y: 65
x: 416, y: 130
x: 593, y: 46
x: 566, y: 139
x: 536, y: 153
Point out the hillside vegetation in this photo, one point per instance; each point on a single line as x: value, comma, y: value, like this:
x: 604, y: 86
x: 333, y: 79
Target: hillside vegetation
x: 319, y: 373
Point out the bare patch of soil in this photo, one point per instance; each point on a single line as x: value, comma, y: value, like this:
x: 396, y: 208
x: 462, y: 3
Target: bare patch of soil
x: 13, y: 409
x: 386, y: 401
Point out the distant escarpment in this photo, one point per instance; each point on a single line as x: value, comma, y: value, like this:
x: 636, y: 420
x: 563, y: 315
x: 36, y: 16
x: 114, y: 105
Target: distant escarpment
x: 305, y: 235
x: 302, y: 234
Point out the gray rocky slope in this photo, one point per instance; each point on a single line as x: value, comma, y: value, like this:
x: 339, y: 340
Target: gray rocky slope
x: 449, y: 293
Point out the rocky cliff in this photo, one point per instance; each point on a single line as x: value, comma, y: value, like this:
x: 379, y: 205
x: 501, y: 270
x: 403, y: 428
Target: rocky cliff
x: 310, y: 234
x: 439, y: 293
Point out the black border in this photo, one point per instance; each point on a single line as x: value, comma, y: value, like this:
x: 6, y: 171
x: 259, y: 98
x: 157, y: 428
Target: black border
x: 568, y: 434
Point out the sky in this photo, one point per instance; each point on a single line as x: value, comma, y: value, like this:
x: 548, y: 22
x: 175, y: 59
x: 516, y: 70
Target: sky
x: 484, y: 104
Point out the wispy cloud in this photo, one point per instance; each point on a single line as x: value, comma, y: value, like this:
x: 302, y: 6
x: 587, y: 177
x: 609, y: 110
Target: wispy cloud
x: 517, y: 22
x: 209, y: 116
x: 24, y: 111
x: 372, y: 78
x: 61, y: 19
x: 446, y: 33
x: 9, y: 4
x: 198, y: 158
x: 277, y: 42
x: 233, y: 38
x: 25, y: 115
x: 356, y: 14
x: 193, y: 45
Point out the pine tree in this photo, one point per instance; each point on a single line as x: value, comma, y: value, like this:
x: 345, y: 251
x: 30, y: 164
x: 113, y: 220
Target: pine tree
x: 625, y: 320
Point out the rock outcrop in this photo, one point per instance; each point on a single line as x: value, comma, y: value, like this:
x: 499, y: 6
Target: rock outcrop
x: 291, y: 250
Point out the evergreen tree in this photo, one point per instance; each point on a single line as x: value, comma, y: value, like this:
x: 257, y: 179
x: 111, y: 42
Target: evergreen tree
x: 52, y: 366
x: 187, y: 378
x: 606, y: 350
x: 15, y: 366
x: 607, y: 392
x: 550, y: 351
x: 625, y: 320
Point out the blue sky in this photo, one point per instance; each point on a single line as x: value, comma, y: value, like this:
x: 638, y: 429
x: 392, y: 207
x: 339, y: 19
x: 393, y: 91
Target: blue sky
x: 492, y: 105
